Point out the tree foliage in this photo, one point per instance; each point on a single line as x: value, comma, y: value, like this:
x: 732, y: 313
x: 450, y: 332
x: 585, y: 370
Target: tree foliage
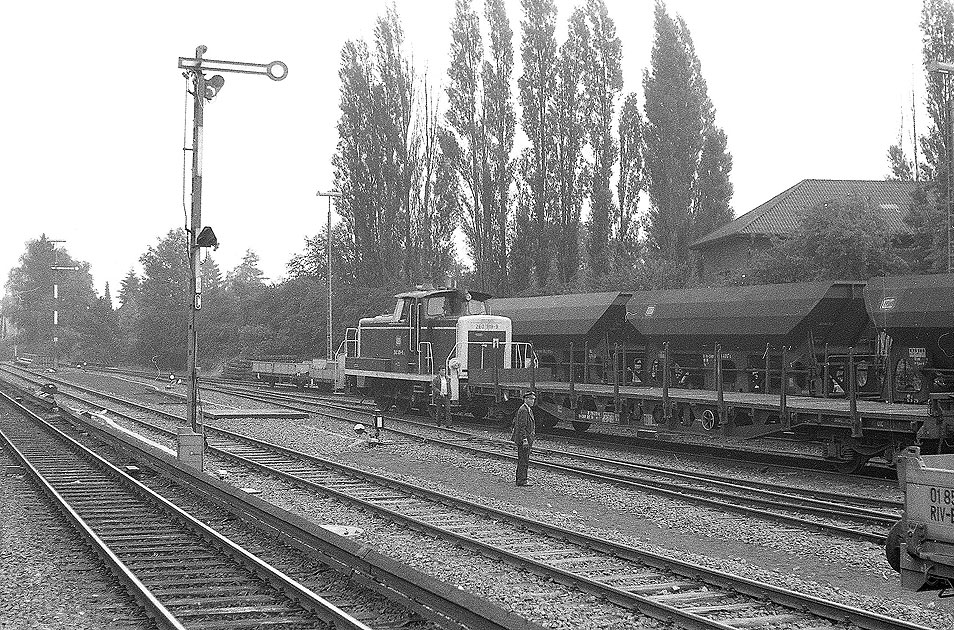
x: 570, y: 167
x: 836, y: 240
x: 687, y: 163
x: 537, y: 86
x: 602, y: 81
x: 928, y: 215
x: 630, y: 184
x: 84, y: 320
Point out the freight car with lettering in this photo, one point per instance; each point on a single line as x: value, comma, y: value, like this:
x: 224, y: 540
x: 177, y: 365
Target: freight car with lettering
x: 803, y: 360
x: 921, y: 545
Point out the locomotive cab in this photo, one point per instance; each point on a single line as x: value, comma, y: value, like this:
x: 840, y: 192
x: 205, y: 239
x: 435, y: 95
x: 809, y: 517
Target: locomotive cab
x: 430, y: 327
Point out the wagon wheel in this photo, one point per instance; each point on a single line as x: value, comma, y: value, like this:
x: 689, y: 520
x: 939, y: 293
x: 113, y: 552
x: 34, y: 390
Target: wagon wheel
x: 710, y: 420
x: 580, y: 427
x: 892, y: 546
x: 853, y: 464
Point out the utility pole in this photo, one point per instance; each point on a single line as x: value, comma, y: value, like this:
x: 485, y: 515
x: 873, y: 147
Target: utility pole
x: 206, y: 89
x: 329, y: 195
x: 56, y: 298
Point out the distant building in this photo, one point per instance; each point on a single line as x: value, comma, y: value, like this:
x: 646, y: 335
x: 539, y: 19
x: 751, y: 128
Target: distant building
x: 729, y: 249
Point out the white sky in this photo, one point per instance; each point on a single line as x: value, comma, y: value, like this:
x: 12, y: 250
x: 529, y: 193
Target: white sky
x: 93, y: 110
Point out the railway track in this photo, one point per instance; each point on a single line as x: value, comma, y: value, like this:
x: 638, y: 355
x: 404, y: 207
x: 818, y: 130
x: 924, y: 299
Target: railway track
x: 854, y: 516
x: 181, y: 571
x: 627, y: 437
x: 688, y: 595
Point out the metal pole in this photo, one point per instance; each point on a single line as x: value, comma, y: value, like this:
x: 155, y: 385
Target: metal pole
x: 616, y: 406
x: 853, y: 394
x: 329, y: 349
x: 533, y: 368
x: 56, y: 298
x: 667, y: 413
x: 276, y: 71
x: 783, y: 390
x: 54, y: 339
x: 586, y: 361
x: 572, y: 379
x: 331, y: 193
x: 195, y: 223
x: 720, y: 389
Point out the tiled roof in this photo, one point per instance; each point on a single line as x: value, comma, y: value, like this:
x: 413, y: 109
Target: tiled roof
x: 782, y: 213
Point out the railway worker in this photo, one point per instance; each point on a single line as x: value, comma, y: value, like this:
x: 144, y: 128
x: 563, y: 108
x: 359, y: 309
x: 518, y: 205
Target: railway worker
x: 524, y: 431
x: 440, y: 397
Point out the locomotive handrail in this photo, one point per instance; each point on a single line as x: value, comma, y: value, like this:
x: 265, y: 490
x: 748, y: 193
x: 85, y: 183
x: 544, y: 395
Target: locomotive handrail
x: 425, y: 358
x: 348, y: 342
x: 523, y: 351
x: 481, y: 345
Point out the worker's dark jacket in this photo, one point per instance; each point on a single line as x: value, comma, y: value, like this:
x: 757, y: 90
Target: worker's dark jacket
x: 436, y: 386
x: 523, y: 426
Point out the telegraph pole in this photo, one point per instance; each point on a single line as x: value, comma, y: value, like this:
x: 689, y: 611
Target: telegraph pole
x: 206, y: 89
x: 329, y: 195
x: 56, y: 298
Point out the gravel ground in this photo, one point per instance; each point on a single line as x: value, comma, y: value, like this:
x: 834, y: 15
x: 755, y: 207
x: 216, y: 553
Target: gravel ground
x: 536, y: 598
x: 48, y: 579
x: 851, y: 573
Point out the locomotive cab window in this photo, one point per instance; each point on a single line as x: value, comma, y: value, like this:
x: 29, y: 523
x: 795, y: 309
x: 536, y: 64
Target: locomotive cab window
x: 476, y: 307
x: 438, y: 307
x: 400, y: 311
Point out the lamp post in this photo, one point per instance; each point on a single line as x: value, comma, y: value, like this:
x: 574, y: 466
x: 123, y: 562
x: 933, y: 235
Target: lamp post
x: 943, y: 68
x: 203, y: 90
x: 329, y: 195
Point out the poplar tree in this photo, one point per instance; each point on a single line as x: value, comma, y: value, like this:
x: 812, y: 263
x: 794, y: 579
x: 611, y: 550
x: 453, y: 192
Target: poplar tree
x: 687, y: 165
x: 537, y: 84
x: 521, y: 236
x: 569, y: 136
x: 500, y: 126
x: 436, y: 201
x: 395, y: 97
x: 466, y: 145
x: 630, y: 183
x: 481, y: 132
x: 377, y: 145
x: 603, y: 81
x: 358, y: 163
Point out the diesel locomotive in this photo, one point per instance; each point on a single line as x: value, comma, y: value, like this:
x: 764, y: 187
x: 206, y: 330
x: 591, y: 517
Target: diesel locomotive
x: 393, y: 357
